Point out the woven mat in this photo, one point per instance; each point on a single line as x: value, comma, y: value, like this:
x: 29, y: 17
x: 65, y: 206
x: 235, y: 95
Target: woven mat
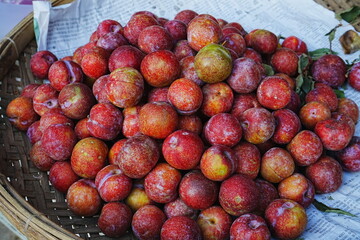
x: 22, y: 180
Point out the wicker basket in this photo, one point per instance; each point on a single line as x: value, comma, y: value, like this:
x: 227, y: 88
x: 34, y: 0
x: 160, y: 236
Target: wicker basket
x: 26, y: 198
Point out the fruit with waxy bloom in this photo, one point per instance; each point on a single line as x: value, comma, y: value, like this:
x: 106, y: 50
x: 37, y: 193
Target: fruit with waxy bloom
x: 183, y: 149
x: 39, y: 157
x: 125, y: 56
x: 286, y: 218
x: 112, y: 184
x: 285, y: 60
x: 125, y: 87
x: 95, y: 62
x: 354, y: 77
x: 325, y: 174
x: 185, y: 95
x: 203, y: 31
x: 276, y: 165
x: 89, y: 157
x: 349, y: 107
x: 162, y: 182
x: 312, y: 113
x: 243, y: 102
x: 287, y: 126
x: 218, y: 98
x: 245, y: 76
x: 186, y: 16
x: 29, y: 90
x: 40, y: 63
x: 218, y: 163
x: 83, y: 199
x: 324, y: 94
x: 213, y: 63
x: 258, y: 125
x: 45, y: 98
x: 154, y: 38
x: 147, y: 222
x: 298, y: 188
x: 105, y: 121
x: 107, y: 26
x: 274, y: 93
x: 183, y: 50
x: 268, y: 194
x: 223, y: 129
x: 81, y: 129
x: 58, y: 141
x: 248, y: 158
x: 33, y: 132
x: 179, y: 208
x: 180, y: 227
x: 305, y: 148
x: 160, y: 68
x: 261, y: 40
x: 20, y: 113
x: 111, y: 41
x: 138, y: 156
x: 214, y: 223
x: 334, y: 134
x: 249, y: 226
x: 197, y: 191
x: 349, y: 157
x: 115, y: 219
x: 158, y: 119
x: 62, y: 176
x: 191, y: 123
x: 296, y: 44
x: 136, y: 24
x: 329, y: 69
x: 115, y: 150
x: 76, y: 100
x: 131, y: 121
x: 62, y: 73
x: 239, y: 195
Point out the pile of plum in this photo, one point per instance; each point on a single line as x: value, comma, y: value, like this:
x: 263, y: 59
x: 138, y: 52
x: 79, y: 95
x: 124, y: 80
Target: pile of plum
x: 191, y: 128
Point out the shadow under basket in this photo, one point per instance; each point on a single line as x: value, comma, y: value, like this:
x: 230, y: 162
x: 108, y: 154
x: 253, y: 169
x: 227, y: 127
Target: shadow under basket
x: 27, y: 198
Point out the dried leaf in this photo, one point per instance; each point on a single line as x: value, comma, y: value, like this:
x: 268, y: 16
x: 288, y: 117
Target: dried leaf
x: 350, y: 41
x: 323, y: 208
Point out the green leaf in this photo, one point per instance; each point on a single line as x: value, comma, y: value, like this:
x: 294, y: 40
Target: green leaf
x: 269, y: 71
x: 349, y: 15
x: 318, y: 53
x: 280, y: 37
x: 339, y: 93
x: 299, y: 82
x: 331, y: 34
x: 308, y: 84
x: 302, y: 63
x: 323, y: 208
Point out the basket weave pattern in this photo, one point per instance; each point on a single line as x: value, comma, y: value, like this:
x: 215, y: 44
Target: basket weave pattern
x: 26, y: 196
